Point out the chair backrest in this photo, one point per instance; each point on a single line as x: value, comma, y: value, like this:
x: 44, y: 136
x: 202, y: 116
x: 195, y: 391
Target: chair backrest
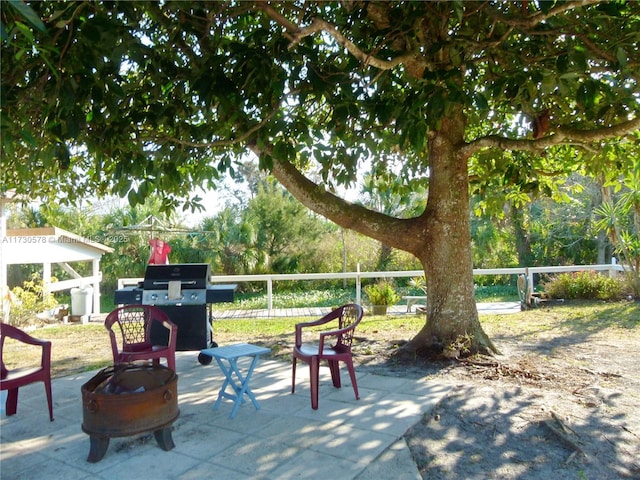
x: 350, y: 316
x: 134, y: 325
x: 15, y: 333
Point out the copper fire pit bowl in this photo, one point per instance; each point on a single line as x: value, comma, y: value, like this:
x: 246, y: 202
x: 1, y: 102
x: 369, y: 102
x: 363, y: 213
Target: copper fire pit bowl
x: 128, y: 400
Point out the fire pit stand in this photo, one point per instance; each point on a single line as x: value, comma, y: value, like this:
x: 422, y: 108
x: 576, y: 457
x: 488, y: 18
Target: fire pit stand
x: 128, y: 400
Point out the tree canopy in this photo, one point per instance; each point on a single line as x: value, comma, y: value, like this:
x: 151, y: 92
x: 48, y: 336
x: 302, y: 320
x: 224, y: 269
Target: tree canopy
x: 136, y: 98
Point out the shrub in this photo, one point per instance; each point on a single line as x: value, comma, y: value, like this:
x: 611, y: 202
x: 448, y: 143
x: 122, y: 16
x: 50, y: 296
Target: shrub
x: 584, y: 285
x: 382, y: 293
x: 29, y: 300
x: 419, y: 282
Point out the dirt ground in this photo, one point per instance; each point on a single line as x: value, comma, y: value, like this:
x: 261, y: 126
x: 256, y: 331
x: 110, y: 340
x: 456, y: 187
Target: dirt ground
x: 557, y: 407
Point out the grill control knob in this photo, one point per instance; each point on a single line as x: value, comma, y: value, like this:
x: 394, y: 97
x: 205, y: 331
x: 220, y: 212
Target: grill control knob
x: 194, y: 296
x: 154, y: 296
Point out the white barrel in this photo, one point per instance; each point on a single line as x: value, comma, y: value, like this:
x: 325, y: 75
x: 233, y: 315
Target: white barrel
x: 81, y: 301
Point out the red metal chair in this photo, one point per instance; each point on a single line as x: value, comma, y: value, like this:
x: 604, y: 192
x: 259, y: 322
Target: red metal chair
x: 134, y: 324
x: 347, y: 318
x: 13, y: 379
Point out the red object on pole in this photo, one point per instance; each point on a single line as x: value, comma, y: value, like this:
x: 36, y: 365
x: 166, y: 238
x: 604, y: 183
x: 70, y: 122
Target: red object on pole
x: 159, y: 252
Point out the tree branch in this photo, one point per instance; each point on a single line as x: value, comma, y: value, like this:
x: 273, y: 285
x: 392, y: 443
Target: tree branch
x: 296, y: 34
x: 530, y: 21
x: 563, y: 135
x: 277, y: 17
x: 392, y: 231
x: 318, y: 25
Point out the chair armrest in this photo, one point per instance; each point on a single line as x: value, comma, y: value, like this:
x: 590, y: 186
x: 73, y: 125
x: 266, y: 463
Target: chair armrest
x: 28, y: 339
x: 334, y: 333
x: 326, y: 319
x: 173, y: 334
x: 300, y: 326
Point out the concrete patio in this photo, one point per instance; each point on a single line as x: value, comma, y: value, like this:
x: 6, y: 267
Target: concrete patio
x: 344, y: 439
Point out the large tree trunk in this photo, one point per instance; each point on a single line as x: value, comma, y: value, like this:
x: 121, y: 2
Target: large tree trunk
x: 452, y: 315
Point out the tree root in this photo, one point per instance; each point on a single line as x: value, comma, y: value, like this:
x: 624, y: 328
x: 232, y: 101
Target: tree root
x: 560, y: 430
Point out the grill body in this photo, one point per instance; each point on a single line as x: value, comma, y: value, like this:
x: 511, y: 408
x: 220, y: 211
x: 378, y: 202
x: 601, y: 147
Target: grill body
x: 182, y: 291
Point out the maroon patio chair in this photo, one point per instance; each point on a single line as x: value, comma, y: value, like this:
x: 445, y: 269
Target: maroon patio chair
x: 133, y: 342
x: 334, y: 346
x: 12, y: 380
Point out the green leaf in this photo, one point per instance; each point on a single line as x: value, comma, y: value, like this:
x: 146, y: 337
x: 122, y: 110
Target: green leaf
x: 143, y: 190
x: 27, y: 136
x: 621, y: 56
x: 26, y: 31
x: 562, y: 63
x: 548, y: 83
x: 586, y: 94
x: 28, y: 14
x: 92, y: 32
x: 481, y: 101
x: 132, y: 197
x: 458, y: 7
x: 63, y: 156
x: 281, y: 150
x: 456, y: 56
x: 266, y: 162
x: 436, y: 106
x: 579, y: 59
x: 115, y: 88
x: 546, y: 5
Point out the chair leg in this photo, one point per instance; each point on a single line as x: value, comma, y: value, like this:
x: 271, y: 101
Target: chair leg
x: 334, y: 367
x: 12, y: 401
x: 47, y: 388
x: 293, y: 375
x: 314, y: 372
x: 352, y: 375
x: 171, y: 362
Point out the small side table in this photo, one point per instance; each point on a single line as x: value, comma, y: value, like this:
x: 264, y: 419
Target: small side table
x: 233, y: 377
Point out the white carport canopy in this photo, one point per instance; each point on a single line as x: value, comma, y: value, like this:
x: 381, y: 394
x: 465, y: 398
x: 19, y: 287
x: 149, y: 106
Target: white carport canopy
x: 51, y: 245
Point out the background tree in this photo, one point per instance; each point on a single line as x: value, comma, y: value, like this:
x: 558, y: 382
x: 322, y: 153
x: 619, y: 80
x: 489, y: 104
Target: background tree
x: 230, y: 242
x: 563, y: 232
x: 144, y: 97
x: 271, y: 233
x: 286, y: 232
x: 619, y: 218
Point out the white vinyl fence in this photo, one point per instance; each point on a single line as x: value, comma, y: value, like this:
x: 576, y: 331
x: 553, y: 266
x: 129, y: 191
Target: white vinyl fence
x: 358, y: 276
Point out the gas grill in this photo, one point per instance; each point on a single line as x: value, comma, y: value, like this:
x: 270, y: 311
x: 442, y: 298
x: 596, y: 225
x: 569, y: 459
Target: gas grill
x: 176, y: 285
x: 183, y: 292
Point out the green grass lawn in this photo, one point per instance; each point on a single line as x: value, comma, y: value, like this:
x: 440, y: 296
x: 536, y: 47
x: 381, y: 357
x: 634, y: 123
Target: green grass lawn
x: 328, y: 298
x: 79, y: 347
